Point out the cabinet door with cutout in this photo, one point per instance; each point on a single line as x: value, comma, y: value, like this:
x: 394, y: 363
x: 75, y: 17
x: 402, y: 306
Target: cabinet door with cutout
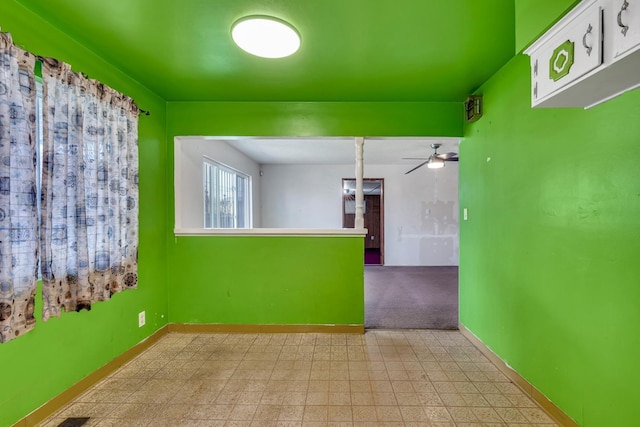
x: 571, y: 52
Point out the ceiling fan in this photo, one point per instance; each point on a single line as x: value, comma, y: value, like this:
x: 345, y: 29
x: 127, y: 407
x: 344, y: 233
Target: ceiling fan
x: 434, y: 161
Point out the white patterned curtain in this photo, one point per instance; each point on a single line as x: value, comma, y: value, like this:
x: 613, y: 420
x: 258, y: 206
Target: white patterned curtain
x: 89, y: 226
x: 18, y: 204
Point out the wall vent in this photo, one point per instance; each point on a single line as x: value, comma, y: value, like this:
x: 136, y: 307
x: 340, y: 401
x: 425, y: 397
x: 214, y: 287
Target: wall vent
x: 74, y: 422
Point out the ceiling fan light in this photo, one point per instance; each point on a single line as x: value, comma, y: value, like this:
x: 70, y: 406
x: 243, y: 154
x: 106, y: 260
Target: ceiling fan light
x: 435, y: 162
x: 265, y: 36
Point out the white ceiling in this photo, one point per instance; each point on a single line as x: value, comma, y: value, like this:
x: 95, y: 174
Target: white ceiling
x: 337, y: 151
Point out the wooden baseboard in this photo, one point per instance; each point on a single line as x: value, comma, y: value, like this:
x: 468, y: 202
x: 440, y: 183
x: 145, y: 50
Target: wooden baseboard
x: 548, y: 406
x: 264, y: 329
x: 58, y: 402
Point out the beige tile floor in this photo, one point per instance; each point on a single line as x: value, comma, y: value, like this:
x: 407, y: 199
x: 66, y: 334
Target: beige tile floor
x: 381, y: 378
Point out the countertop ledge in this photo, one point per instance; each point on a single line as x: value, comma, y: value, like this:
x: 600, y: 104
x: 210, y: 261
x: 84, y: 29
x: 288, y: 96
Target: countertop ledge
x: 307, y: 232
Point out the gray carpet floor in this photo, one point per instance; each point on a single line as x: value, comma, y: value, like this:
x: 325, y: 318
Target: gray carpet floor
x: 411, y: 297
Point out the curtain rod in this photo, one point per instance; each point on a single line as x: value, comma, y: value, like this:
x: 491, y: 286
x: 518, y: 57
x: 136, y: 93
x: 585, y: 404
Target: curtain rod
x: 42, y: 59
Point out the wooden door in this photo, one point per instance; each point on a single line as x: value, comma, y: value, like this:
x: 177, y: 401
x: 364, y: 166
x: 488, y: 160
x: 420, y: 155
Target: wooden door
x: 372, y: 221
x: 373, y: 216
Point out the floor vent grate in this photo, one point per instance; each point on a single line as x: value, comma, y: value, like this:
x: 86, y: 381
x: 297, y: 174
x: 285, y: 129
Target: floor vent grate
x: 74, y: 422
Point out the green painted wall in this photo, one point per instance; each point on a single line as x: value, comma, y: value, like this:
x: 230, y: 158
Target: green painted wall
x: 315, y: 118
x: 549, y: 277
x: 60, y: 352
x: 288, y: 280
x: 267, y: 280
x: 534, y: 17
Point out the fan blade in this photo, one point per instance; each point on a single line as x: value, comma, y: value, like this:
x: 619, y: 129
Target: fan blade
x: 453, y: 159
x: 420, y: 165
x: 446, y: 156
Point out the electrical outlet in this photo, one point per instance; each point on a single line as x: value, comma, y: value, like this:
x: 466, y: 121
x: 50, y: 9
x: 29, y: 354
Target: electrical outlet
x: 141, y: 319
x: 465, y: 214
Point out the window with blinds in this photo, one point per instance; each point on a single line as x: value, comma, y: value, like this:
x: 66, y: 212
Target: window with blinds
x: 227, y: 196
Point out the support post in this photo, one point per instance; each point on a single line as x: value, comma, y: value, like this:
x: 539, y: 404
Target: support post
x: 359, y: 222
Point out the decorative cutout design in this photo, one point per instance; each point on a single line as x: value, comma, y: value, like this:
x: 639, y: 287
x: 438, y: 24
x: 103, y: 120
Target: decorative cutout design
x: 561, y: 61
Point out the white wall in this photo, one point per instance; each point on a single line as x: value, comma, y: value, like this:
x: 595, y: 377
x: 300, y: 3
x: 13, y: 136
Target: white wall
x: 420, y: 209
x: 421, y: 214
x: 303, y: 196
x: 189, y: 196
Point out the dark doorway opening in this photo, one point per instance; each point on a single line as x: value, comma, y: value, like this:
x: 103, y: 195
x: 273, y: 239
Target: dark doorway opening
x: 373, y: 215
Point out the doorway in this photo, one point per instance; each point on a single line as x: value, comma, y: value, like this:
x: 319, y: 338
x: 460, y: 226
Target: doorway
x: 373, y: 215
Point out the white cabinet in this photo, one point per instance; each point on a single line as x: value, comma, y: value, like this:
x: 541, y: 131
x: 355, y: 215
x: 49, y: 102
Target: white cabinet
x: 567, y: 54
x: 590, y: 55
x: 626, y: 32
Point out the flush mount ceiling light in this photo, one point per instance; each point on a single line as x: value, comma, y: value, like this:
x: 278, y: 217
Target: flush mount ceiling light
x: 265, y: 36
